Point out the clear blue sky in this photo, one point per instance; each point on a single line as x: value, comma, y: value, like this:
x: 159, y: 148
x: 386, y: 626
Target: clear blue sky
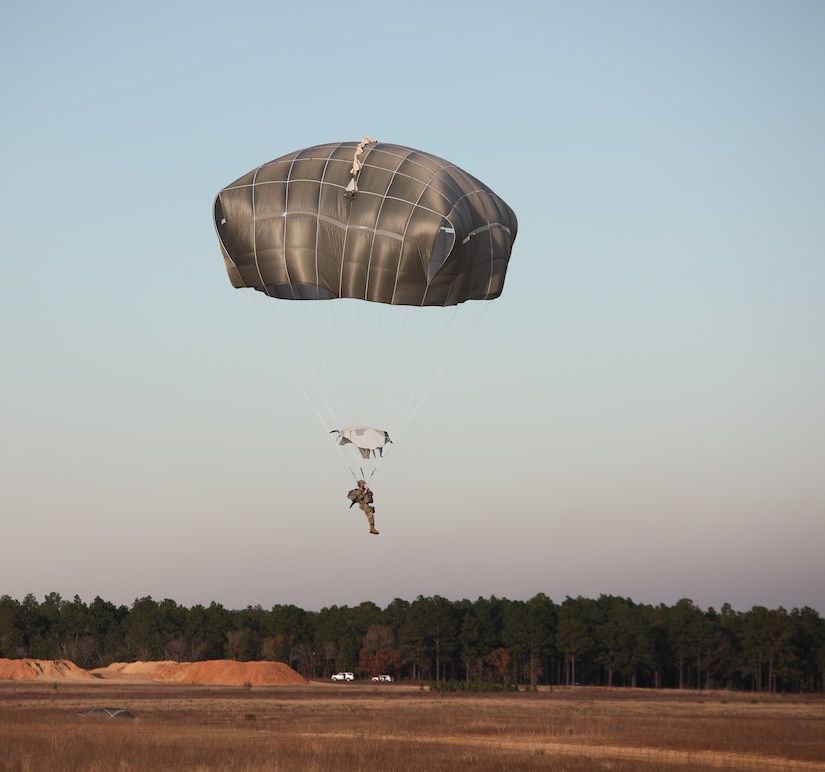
x: 640, y: 414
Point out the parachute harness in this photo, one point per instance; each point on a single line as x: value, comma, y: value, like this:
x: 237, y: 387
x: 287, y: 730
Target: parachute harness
x: 351, y: 190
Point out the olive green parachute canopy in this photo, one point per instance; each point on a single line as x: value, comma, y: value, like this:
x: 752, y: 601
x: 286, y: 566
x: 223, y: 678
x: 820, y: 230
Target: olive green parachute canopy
x: 368, y: 220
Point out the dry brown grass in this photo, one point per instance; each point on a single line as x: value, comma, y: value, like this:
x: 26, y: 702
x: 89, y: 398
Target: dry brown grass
x: 363, y: 727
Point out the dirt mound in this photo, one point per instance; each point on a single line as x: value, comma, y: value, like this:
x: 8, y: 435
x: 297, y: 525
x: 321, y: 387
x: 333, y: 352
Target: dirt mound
x: 217, y: 671
x: 42, y: 670
x: 229, y: 672
x: 222, y: 672
x: 163, y: 670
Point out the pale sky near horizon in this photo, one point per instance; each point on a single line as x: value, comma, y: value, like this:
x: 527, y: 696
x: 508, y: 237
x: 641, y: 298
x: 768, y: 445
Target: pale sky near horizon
x: 639, y: 414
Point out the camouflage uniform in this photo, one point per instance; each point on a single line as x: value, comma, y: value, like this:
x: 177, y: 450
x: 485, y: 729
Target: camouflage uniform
x: 362, y: 496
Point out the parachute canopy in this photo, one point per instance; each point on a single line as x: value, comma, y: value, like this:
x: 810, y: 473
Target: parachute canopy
x: 105, y: 713
x: 370, y: 220
x: 369, y: 441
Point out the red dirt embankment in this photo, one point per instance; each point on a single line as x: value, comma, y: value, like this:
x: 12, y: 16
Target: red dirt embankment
x: 42, y: 670
x: 218, y: 672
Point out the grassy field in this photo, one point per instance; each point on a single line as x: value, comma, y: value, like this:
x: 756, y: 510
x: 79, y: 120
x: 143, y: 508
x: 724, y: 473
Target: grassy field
x: 399, y: 727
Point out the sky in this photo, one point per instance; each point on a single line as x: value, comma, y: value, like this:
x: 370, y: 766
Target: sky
x: 639, y: 414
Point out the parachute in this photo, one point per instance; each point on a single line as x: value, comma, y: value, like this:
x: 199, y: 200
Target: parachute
x: 413, y: 229
x: 369, y: 441
x: 372, y: 223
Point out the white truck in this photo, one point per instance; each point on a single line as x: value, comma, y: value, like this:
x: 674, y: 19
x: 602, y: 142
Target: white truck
x: 343, y: 677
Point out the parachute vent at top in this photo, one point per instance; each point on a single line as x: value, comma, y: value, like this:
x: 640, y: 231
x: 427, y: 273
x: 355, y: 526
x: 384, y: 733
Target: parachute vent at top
x: 419, y: 232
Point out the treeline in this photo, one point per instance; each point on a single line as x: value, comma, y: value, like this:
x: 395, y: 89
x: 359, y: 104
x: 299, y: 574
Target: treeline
x: 609, y: 641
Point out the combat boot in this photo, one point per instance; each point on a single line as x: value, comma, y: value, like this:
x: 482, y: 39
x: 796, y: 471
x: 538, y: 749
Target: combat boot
x: 372, y: 529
